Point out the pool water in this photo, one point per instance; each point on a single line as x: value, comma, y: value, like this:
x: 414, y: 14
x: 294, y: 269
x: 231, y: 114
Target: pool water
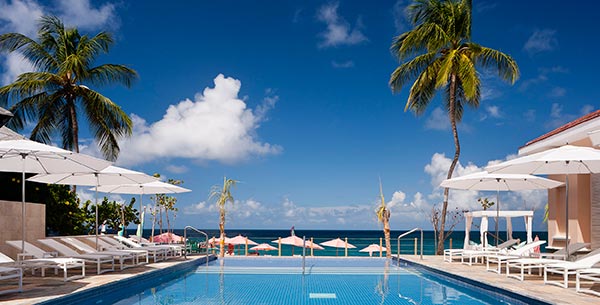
x: 324, y: 281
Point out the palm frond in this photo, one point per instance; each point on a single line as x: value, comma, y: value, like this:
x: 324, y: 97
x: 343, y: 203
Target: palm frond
x: 109, y: 73
x: 409, y: 70
x: 51, y: 112
x: 423, y: 89
x: 504, y: 64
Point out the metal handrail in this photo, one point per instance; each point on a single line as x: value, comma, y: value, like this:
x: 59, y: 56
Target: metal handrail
x: 185, y: 240
x: 406, y: 233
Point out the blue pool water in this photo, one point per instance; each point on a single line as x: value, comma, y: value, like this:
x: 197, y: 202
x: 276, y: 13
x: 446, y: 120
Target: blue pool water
x: 265, y: 280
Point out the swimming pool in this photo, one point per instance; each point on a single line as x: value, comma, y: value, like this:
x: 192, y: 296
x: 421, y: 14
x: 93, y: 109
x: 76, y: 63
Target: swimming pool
x: 283, y: 281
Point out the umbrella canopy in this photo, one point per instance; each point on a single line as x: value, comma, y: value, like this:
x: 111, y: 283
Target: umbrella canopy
x: 107, y: 176
x: 337, y: 243
x: 484, y: 181
x: 166, y: 238
x: 8, y: 134
x: 263, y: 247
x: 373, y: 248
x: 214, y: 240
x: 5, y: 116
x: 294, y: 240
x: 241, y: 240
x: 567, y: 159
x: 26, y: 156
x: 142, y: 188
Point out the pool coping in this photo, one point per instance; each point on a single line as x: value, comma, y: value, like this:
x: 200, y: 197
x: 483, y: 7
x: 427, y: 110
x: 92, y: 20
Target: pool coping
x: 129, y: 283
x: 500, y: 293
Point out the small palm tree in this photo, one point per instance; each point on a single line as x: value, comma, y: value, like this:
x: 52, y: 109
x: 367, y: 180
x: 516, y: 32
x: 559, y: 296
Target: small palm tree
x: 438, y: 54
x: 383, y: 215
x: 222, y: 195
x: 56, y: 91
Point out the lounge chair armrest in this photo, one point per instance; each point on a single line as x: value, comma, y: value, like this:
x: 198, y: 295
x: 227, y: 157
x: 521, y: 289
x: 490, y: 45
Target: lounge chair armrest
x: 23, y: 256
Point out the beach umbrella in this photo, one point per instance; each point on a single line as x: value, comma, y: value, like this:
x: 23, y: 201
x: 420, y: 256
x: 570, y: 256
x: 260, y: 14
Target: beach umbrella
x: 567, y: 159
x: 154, y: 187
x: 337, y: 243
x: 263, y: 247
x: 373, y: 248
x: 484, y: 181
x: 26, y: 156
x: 216, y: 241
x: 166, y: 238
x: 107, y: 176
x: 241, y: 240
x: 296, y: 241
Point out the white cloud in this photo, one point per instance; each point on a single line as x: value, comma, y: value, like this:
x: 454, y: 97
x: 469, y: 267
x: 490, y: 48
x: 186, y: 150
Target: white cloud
x: 342, y: 64
x: 176, y: 169
x: 339, y: 32
x: 14, y: 65
x: 557, y: 92
x: 558, y: 117
x: 20, y: 16
x: 80, y: 13
x: 529, y: 115
x: 438, y: 120
x: 586, y: 109
x: 494, y: 111
x: 399, y: 14
x: 541, y: 41
x: 543, y: 75
x: 216, y: 125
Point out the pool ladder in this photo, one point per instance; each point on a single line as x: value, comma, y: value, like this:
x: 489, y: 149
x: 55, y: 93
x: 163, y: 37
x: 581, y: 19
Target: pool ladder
x: 407, y: 233
x: 185, y: 241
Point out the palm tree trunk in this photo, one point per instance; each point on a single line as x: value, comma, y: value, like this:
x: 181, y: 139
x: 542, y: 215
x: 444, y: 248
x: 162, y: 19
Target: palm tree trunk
x: 222, y: 229
x: 451, y: 110
x: 386, y: 234
x: 75, y: 128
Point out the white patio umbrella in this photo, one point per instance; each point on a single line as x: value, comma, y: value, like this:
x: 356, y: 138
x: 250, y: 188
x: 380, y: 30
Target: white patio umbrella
x: 337, y: 243
x: 567, y: 159
x: 26, y: 156
x: 108, y: 176
x: 154, y: 187
x: 241, y: 240
x: 296, y: 241
x: 484, y: 181
x: 373, y: 248
x: 263, y: 247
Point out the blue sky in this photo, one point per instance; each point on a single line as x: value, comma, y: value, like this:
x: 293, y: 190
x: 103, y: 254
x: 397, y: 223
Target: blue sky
x: 292, y: 100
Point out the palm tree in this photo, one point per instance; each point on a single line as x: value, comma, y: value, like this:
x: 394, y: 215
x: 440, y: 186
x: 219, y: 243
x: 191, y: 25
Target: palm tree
x: 383, y: 215
x: 54, y: 93
x: 438, y: 54
x: 223, y: 195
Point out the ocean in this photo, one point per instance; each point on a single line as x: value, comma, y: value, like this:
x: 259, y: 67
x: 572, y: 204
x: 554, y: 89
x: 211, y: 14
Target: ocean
x: 360, y: 239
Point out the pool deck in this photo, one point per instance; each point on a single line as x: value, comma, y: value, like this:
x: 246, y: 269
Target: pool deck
x: 38, y: 289
x: 532, y: 287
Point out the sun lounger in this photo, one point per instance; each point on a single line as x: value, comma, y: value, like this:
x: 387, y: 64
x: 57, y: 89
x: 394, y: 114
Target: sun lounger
x: 102, y: 242
x: 592, y: 274
x: 7, y: 273
x: 93, y: 258
x: 176, y: 250
x: 156, y: 251
x: 469, y: 257
x: 121, y: 255
x: 539, y: 263
x: 45, y: 260
x: 571, y: 268
x: 503, y: 256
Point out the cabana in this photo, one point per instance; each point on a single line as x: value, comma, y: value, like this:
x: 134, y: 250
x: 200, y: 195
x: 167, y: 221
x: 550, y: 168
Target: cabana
x: 508, y: 215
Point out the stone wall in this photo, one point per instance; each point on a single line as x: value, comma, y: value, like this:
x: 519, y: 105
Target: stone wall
x: 10, y: 224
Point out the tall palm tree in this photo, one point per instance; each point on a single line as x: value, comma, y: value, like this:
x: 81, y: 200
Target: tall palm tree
x: 55, y: 92
x: 438, y: 54
x: 222, y: 195
x: 383, y: 215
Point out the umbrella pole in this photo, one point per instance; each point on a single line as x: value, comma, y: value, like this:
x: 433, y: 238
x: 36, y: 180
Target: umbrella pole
x: 497, y: 215
x: 141, y: 220
x: 96, y: 195
x: 567, y: 214
x: 23, y: 213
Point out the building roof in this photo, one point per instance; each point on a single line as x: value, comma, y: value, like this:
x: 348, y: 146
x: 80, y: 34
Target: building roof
x: 581, y: 120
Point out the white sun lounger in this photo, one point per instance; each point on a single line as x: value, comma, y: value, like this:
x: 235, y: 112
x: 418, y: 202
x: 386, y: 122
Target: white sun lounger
x: 97, y: 259
x: 45, y: 260
x: 120, y: 248
x: 592, y: 274
x: 571, y: 268
x: 469, y: 257
x: 156, y: 251
x: 176, y: 250
x: 538, y: 263
x: 502, y: 257
x: 122, y: 256
x: 7, y: 273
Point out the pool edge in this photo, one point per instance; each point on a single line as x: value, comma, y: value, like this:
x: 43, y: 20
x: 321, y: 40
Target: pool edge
x: 86, y: 294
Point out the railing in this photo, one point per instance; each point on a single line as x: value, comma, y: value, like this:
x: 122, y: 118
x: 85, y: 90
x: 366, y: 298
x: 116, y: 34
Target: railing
x: 407, y: 233
x: 185, y: 241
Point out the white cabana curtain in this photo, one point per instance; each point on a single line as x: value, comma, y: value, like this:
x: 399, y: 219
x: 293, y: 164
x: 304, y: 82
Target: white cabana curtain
x: 529, y: 227
x: 468, y: 221
x: 483, y: 227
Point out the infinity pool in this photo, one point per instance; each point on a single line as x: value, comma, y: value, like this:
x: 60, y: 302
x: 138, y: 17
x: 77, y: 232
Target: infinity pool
x: 323, y: 281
